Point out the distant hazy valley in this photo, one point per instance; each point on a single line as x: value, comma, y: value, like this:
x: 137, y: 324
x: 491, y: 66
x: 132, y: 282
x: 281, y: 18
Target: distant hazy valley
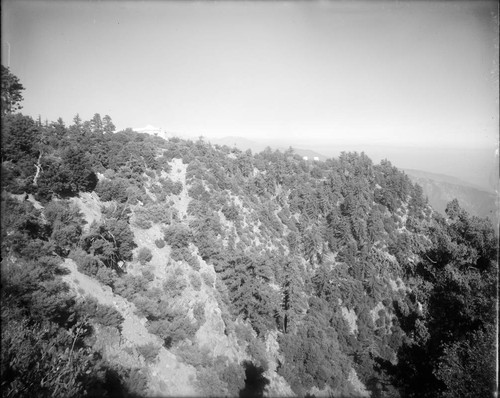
x: 440, y: 190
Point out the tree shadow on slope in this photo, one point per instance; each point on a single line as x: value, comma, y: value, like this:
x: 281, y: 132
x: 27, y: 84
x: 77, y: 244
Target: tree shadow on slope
x: 255, y: 382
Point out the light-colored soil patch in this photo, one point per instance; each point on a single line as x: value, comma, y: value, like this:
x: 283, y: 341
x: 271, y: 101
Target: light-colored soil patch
x: 90, y: 206
x: 278, y: 387
x: 171, y: 377
x: 178, y: 173
x: 397, y: 284
x: 30, y: 198
x: 326, y: 392
x: 35, y: 202
x: 211, y: 334
x: 168, y: 376
x: 374, y: 312
x: 133, y: 328
x: 351, y: 319
x: 146, y: 238
x: 357, y: 385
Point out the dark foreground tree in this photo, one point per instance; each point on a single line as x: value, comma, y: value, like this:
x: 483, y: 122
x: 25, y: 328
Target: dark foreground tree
x: 11, y: 92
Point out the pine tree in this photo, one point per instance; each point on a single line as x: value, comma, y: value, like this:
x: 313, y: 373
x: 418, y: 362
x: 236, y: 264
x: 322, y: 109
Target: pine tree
x: 11, y: 92
x: 108, y: 125
x: 293, y: 303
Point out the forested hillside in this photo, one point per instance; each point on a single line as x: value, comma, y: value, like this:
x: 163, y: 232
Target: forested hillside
x: 257, y: 273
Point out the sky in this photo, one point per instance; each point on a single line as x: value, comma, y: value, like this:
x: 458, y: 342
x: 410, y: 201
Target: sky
x: 415, y: 74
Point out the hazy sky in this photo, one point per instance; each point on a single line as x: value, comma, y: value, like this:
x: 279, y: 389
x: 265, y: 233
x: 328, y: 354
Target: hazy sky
x: 404, y: 73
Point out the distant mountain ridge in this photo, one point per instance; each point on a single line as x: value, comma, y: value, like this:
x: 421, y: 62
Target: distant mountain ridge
x: 443, y: 178
x: 245, y: 144
x: 440, y: 189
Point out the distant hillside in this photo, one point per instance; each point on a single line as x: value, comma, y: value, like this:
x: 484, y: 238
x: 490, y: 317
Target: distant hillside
x: 238, y: 142
x: 244, y: 144
x: 442, y: 178
x: 477, y: 166
x: 441, y: 189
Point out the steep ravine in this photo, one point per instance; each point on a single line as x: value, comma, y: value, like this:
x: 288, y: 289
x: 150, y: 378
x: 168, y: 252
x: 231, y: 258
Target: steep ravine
x: 168, y: 375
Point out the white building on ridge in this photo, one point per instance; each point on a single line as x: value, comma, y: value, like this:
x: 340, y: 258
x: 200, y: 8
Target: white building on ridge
x: 152, y: 130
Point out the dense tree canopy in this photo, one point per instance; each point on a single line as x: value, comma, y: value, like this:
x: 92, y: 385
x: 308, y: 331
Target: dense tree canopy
x: 343, y: 261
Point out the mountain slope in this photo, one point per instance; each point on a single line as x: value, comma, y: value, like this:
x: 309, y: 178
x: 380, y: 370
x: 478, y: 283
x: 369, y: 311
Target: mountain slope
x: 205, y: 270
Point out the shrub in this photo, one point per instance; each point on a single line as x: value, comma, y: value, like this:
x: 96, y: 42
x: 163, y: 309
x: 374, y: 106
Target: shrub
x: 67, y: 174
x: 112, y: 190
x: 199, y: 313
x: 193, y: 261
x: 158, y: 192
x: 198, y: 192
x: 129, y: 350
x: 209, y: 383
x: 109, y: 174
x: 195, y: 281
x: 194, y: 355
x: 160, y: 243
x: 257, y: 350
x: 123, y: 237
x: 144, y: 256
x: 209, y: 246
x: 183, y: 254
x: 174, y: 285
x: 103, y: 314
x: 146, y: 307
x: 170, y: 187
x: 177, y: 254
x: 208, y: 279
x: 230, y: 212
x: 234, y: 375
x: 148, y: 275
x: 149, y: 351
x: 88, y: 264
x: 66, y: 221
x: 111, y: 241
x: 136, y: 382
x: 109, y: 316
x: 182, y: 328
x: 77, y: 255
x: 115, y: 210
x: 243, y: 332
x: 153, y: 293
x: 171, y: 332
x: 154, y: 213
x: 228, y: 322
x: 106, y: 276
x: 177, y: 236
x: 135, y: 194
x: 141, y: 221
x: 128, y: 285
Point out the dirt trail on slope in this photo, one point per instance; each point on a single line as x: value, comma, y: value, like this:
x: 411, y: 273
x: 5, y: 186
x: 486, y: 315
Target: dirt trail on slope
x: 178, y: 173
x: 134, y: 328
